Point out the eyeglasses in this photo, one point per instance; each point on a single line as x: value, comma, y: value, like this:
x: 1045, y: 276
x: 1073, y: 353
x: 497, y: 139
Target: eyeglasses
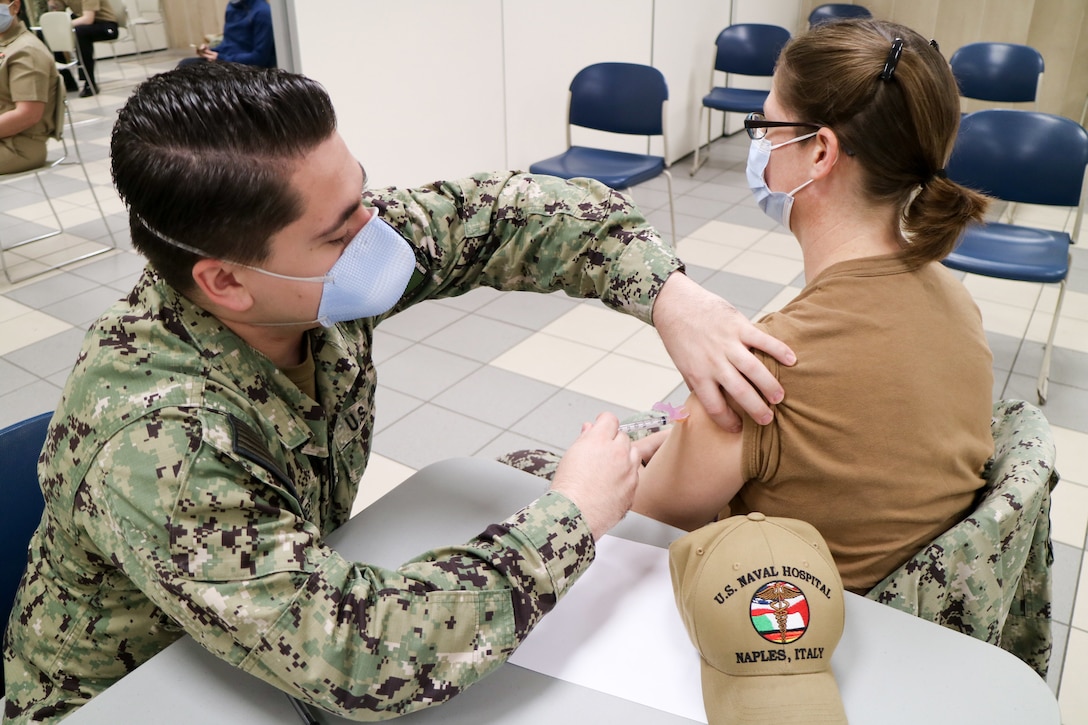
x: 756, y: 124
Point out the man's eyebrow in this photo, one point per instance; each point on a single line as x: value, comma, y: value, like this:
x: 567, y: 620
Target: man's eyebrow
x: 346, y: 214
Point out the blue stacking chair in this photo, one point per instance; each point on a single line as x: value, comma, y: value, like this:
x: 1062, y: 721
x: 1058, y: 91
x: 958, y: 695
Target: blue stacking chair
x: 623, y: 98
x: 998, y: 72
x: 22, y: 504
x: 834, y: 11
x: 747, y: 49
x: 1026, y: 157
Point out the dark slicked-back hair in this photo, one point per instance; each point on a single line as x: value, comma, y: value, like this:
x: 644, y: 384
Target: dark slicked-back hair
x: 204, y: 154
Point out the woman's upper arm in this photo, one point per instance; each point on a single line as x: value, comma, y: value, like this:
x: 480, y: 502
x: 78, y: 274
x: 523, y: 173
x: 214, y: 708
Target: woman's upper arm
x: 694, y: 474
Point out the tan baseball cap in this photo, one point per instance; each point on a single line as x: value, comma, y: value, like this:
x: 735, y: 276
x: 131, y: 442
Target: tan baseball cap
x: 763, y: 603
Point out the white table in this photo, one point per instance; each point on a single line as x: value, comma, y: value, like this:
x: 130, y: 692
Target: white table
x: 891, y: 667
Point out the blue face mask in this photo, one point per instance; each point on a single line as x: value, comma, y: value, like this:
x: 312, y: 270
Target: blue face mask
x: 776, y: 204
x: 5, y: 18
x: 368, y: 279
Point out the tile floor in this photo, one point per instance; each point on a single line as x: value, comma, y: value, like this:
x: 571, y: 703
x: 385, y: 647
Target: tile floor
x: 491, y: 372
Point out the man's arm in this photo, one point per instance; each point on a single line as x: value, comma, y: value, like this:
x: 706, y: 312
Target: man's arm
x: 223, y: 551
x: 23, y: 116
x: 87, y: 18
x: 540, y: 233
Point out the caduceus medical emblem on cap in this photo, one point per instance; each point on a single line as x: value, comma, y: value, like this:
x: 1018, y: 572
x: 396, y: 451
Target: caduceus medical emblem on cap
x: 780, y: 612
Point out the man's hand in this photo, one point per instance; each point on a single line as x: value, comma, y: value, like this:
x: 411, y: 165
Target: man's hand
x: 207, y: 53
x: 647, y: 445
x: 710, y: 341
x: 599, y: 473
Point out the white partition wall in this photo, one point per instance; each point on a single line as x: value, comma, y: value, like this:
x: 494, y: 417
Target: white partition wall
x: 684, y: 33
x: 429, y: 89
x: 417, y: 84
x: 545, y: 45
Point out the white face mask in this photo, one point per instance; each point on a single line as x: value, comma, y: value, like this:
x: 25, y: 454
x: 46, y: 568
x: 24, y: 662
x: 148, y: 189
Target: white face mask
x: 778, y: 205
x: 6, y: 18
x: 368, y: 279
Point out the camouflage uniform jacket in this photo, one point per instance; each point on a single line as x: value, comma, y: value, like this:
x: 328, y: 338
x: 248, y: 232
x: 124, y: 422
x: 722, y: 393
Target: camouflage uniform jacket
x: 989, y: 576
x: 189, y: 484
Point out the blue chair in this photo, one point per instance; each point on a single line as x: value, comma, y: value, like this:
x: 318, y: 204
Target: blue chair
x: 622, y: 98
x: 834, y: 11
x: 998, y: 72
x: 747, y: 49
x: 22, y: 503
x: 1025, y: 157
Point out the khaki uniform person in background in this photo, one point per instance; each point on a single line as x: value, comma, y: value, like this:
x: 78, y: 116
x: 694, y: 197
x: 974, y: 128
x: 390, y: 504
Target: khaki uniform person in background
x: 28, y: 87
x: 92, y: 20
x: 219, y: 418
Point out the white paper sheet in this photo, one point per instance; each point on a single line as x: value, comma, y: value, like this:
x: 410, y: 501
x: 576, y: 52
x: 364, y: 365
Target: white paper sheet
x: 618, y: 631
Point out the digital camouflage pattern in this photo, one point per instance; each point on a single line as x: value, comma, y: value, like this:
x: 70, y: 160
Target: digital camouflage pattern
x: 989, y: 576
x: 189, y: 484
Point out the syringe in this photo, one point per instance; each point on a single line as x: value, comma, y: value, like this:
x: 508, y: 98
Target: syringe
x: 664, y: 413
x: 656, y: 420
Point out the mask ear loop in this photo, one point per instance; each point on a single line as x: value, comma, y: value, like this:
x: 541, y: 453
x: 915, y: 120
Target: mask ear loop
x: 204, y: 255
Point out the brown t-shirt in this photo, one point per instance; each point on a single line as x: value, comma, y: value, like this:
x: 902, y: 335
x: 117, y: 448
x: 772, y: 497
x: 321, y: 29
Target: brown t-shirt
x: 885, y: 428
x: 102, y: 9
x: 28, y: 73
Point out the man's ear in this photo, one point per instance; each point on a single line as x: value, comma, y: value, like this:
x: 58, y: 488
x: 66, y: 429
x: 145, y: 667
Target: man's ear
x: 221, y: 286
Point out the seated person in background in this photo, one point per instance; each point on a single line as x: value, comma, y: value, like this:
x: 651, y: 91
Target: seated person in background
x: 28, y: 87
x: 93, y: 20
x: 247, y: 37
x: 883, y: 437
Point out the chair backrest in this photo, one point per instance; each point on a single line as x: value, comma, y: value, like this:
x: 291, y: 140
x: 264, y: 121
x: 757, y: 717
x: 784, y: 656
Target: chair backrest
x: 989, y: 575
x: 61, y: 100
x: 22, y: 505
x: 749, y: 49
x: 1021, y: 156
x: 149, y: 7
x: 57, y: 31
x: 833, y: 11
x: 1000, y: 72
x: 619, y: 98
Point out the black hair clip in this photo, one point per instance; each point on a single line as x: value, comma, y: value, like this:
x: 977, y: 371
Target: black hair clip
x: 893, y: 60
x: 936, y: 47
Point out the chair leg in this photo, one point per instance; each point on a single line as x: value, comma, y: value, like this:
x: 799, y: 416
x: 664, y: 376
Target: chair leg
x: 40, y: 237
x: 114, y: 58
x: 672, y: 208
x: 695, y: 163
x: 87, y: 176
x: 1044, y: 370
x: 86, y: 76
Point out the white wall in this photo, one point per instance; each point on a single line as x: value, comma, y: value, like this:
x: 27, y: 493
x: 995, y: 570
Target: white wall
x: 417, y: 84
x: 142, y: 38
x: 545, y: 45
x: 429, y: 89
